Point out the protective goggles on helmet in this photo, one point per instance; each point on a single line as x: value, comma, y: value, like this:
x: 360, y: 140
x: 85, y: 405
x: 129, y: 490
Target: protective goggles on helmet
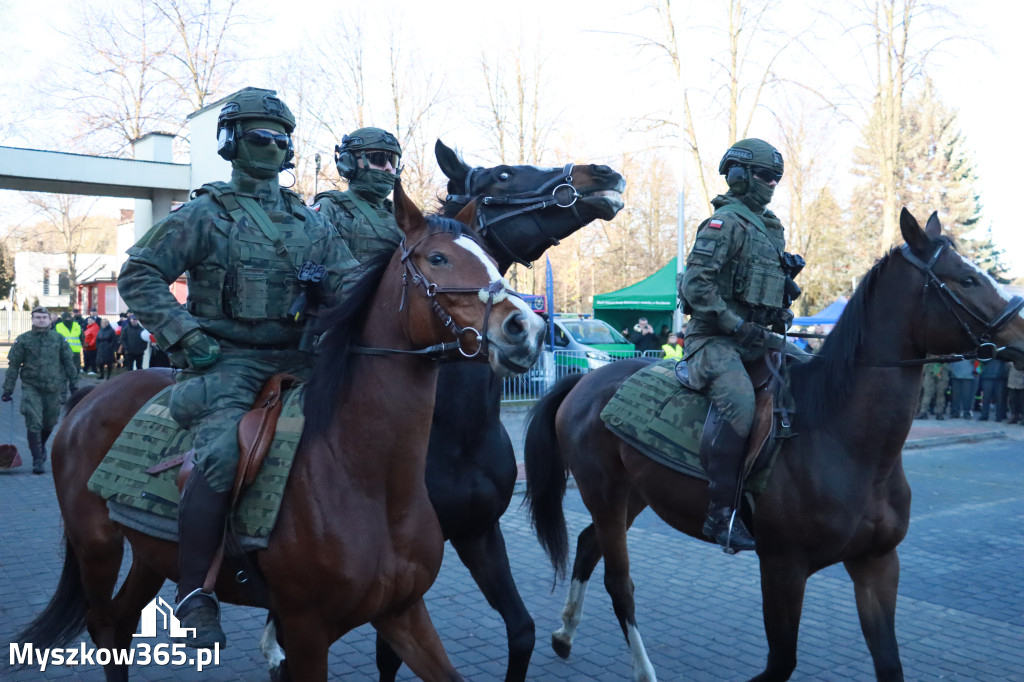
x: 261, y: 137
x: 765, y: 175
x: 378, y: 158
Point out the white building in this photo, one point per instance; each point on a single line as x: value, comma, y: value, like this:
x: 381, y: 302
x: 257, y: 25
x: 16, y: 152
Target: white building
x: 44, y: 276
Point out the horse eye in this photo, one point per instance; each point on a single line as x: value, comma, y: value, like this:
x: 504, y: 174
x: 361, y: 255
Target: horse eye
x: 504, y: 175
x: 437, y: 259
x: 968, y: 281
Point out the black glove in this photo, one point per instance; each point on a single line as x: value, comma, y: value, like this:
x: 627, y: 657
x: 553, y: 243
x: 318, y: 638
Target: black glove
x: 749, y: 335
x: 195, y: 350
x: 7, y: 398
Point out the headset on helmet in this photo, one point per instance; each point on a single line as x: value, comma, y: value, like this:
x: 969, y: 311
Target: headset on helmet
x: 247, y: 104
x: 362, y: 140
x: 735, y: 164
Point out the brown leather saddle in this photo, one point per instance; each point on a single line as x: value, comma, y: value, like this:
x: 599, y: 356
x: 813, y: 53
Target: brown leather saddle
x: 770, y: 414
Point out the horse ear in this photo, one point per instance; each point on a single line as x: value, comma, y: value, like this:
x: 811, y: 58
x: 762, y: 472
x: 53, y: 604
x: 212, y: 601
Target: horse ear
x: 451, y: 165
x: 933, y: 228
x: 407, y: 214
x: 465, y: 216
x: 912, y: 232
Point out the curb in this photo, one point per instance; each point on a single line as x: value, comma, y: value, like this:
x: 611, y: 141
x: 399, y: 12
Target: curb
x: 932, y: 441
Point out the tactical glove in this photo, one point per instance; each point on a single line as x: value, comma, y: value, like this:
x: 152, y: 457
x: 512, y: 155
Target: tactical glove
x: 7, y: 398
x: 749, y: 335
x: 195, y: 350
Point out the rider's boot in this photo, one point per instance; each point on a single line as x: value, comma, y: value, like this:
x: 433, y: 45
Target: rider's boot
x: 722, y: 452
x: 35, y: 446
x: 201, y: 517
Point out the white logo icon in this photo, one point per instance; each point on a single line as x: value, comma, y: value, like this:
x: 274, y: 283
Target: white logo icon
x: 170, y: 621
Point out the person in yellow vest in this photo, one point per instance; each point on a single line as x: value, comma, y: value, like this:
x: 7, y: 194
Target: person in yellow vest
x: 71, y: 330
x: 672, y: 348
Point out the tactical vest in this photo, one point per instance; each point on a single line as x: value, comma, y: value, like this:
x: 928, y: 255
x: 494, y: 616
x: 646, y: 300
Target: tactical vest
x: 259, y: 280
x: 755, y: 276
x: 372, y: 229
x: 73, y: 335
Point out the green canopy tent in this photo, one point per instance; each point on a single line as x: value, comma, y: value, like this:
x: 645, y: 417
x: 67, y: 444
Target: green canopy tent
x: 653, y: 298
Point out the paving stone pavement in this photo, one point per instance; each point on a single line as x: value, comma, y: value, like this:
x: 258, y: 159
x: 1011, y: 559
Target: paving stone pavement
x: 960, y: 614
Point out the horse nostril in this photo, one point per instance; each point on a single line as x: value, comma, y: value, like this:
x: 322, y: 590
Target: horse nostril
x: 514, y: 327
x: 602, y: 170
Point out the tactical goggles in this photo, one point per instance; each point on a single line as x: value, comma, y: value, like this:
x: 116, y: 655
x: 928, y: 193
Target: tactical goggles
x: 382, y: 158
x: 261, y: 137
x: 765, y: 175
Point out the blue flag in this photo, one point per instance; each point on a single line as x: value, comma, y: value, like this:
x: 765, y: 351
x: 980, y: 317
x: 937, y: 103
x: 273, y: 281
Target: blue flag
x: 551, y: 304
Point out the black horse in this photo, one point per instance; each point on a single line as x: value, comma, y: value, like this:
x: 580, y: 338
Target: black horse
x: 471, y: 466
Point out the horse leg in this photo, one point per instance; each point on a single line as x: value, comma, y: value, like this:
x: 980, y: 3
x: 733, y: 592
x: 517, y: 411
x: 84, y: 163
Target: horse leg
x: 588, y: 553
x: 412, y: 636
x: 782, y: 594
x: 306, y: 643
x: 140, y: 587
x: 271, y: 649
x: 875, y: 581
x: 487, y: 560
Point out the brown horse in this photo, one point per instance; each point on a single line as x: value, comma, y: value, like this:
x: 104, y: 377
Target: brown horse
x: 837, y: 492
x: 356, y: 540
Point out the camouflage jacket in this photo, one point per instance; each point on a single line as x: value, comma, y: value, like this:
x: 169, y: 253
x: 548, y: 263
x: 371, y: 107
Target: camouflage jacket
x: 240, y: 287
x: 367, y: 229
x: 733, y: 272
x: 44, y: 361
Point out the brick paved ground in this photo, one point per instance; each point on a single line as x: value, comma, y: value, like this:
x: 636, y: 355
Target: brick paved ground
x: 960, y: 616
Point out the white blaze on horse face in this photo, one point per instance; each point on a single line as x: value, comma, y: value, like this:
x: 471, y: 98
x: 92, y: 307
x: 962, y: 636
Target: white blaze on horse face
x: 492, y: 274
x: 1003, y: 293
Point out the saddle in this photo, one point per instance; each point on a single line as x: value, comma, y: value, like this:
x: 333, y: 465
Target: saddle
x: 771, y: 417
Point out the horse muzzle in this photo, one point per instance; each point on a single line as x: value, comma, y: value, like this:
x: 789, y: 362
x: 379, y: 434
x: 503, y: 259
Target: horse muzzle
x: 515, y: 345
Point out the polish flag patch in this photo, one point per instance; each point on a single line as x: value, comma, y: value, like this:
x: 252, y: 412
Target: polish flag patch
x: 316, y: 207
x: 717, y: 224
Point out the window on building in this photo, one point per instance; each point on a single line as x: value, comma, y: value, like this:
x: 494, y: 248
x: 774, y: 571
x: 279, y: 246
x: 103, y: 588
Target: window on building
x: 63, y: 283
x: 46, y: 281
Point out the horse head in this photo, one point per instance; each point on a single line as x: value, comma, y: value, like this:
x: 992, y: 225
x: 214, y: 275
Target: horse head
x: 452, y: 288
x: 522, y: 210
x: 965, y: 309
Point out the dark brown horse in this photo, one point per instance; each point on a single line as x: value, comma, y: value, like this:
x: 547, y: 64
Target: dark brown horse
x: 837, y: 492
x: 356, y: 540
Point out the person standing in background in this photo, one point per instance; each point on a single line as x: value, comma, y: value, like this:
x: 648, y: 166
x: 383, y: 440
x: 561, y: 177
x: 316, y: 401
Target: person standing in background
x: 92, y: 328
x: 933, y: 390
x: 1015, y: 389
x: 962, y: 378
x: 993, y: 374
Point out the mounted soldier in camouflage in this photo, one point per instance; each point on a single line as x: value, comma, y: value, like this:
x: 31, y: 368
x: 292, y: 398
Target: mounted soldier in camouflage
x: 258, y: 261
x: 737, y: 286
x: 363, y: 215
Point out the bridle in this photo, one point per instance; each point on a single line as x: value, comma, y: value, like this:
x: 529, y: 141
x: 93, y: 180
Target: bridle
x: 985, y: 349
x: 496, y: 291
x: 558, y: 191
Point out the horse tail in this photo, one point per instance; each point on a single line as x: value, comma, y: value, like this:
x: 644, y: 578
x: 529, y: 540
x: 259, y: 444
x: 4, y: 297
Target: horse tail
x: 63, y: 619
x: 547, y: 474
x: 77, y: 397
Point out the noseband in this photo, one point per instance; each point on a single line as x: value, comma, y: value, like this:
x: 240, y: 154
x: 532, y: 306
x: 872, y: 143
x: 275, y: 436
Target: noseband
x: 558, y: 191
x: 985, y: 349
x: 496, y: 290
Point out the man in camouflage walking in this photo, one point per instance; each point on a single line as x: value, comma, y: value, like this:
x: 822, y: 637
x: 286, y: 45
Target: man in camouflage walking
x: 364, y: 217
x: 737, y: 289
x: 258, y: 260
x: 44, y: 361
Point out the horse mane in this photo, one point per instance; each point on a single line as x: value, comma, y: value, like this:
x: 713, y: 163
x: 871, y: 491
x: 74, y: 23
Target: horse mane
x: 822, y: 386
x: 340, y: 326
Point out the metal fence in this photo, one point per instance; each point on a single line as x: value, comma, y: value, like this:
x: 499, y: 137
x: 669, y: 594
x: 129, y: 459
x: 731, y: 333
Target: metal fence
x: 552, y: 366
x: 12, y: 323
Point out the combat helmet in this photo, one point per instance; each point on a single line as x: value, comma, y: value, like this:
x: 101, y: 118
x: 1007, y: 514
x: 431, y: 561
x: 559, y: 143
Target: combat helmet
x: 249, y: 103
x: 363, y: 140
x: 747, y: 153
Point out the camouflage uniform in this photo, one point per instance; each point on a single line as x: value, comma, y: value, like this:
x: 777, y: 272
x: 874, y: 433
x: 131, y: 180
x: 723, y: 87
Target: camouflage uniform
x: 44, y: 361
x: 933, y: 390
x: 368, y: 229
x: 240, y: 293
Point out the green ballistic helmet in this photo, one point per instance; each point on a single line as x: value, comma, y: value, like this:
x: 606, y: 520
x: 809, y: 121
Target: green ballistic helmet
x: 247, y: 104
x: 752, y: 152
x: 363, y: 140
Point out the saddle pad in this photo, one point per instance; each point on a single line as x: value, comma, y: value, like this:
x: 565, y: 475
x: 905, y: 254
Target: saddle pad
x: 656, y: 415
x: 153, y: 436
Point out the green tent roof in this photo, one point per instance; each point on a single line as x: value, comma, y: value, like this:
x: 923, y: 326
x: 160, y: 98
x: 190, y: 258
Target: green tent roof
x: 657, y: 292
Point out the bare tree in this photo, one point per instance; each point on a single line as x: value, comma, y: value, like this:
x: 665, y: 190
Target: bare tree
x: 65, y: 219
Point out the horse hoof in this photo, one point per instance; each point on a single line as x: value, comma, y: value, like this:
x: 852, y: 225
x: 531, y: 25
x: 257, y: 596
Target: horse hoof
x: 561, y: 647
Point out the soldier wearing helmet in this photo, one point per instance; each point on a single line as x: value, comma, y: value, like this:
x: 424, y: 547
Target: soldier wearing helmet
x: 737, y: 288
x: 243, y: 245
x: 369, y: 159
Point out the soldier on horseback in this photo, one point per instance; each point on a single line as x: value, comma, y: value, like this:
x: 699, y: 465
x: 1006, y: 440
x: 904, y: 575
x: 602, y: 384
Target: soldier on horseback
x: 258, y: 262
x: 737, y: 289
x: 364, y: 217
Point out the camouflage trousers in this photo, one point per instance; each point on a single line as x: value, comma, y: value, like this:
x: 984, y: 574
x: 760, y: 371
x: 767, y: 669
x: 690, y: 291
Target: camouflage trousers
x: 717, y: 369
x: 41, y: 408
x: 933, y: 390
x: 210, y: 402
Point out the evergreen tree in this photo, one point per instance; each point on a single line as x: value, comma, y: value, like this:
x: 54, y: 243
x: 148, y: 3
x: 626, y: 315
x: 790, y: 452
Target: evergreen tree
x: 6, y: 271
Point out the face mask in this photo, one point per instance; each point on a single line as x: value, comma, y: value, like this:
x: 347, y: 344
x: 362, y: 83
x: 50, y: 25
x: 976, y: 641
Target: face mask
x: 373, y: 184
x: 263, y: 162
x: 759, y: 195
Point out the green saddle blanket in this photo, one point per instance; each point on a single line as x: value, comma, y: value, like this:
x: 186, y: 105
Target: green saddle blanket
x: 149, y: 502
x: 655, y: 414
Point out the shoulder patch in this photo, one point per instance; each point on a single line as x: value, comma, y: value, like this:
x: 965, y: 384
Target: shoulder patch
x: 716, y: 224
x: 176, y: 207
x: 315, y: 207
